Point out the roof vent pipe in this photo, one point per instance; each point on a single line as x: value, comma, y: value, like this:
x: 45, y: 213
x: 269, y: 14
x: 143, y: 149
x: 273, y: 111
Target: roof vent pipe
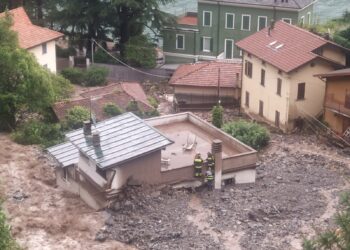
x: 87, y: 127
x: 96, y: 139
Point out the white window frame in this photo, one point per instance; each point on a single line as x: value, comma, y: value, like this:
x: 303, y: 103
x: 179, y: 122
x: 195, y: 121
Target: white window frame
x: 233, y: 25
x: 287, y: 20
x: 250, y: 22
x: 302, y: 21
x: 308, y: 18
x: 203, y: 38
x: 233, y: 47
x: 211, y: 18
x: 258, y: 29
x: 183, y: 41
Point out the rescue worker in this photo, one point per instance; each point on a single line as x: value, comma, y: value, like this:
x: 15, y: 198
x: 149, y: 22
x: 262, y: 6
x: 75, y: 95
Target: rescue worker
x: 198, y: 163
x: 210, y: 161
x: 209, y: 179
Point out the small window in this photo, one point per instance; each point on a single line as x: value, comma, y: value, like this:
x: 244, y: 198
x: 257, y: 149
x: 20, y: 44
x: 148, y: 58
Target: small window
x: 302, y: 21
x: 262, y: 22
x: 230, y: 21
x: 180, y: 41
x: 261, y: 108
x: 247, y: 99
x: 262, y: 82
x: 206, y: 44
x: 301, y: 91
x: 207, y: 18
x: 287, y: 20
x: 279, y: 86
x: 245, y: 22
x: 248, y: 71
x: 44, y: 48
x: 308, y: 16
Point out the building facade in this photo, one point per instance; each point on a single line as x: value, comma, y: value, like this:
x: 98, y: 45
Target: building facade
x: 213, y: 32
x: 279, y: 65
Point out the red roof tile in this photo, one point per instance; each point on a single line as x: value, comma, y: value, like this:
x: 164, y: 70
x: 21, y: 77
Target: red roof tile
x: 135, y: 90
x: 187, y: 20
x: 30, y: 35
x: 206, y: 74
x: 296, y: 46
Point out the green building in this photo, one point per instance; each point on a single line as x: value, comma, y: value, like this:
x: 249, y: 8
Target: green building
x: 212, y: 32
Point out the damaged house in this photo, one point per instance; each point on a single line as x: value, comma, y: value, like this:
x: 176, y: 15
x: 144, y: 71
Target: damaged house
x: 98, y: 160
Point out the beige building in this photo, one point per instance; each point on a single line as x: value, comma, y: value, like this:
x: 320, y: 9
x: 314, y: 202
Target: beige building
x: 41, y: 42
x: 280, y: 62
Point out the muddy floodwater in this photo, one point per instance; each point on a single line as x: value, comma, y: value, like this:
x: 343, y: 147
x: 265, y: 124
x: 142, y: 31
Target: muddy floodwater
x: 180, y: 132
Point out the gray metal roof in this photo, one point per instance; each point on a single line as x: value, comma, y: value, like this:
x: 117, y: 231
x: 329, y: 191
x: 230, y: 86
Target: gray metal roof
x: 294, y: 4
x: 123, y: 138
x: 66, y: 154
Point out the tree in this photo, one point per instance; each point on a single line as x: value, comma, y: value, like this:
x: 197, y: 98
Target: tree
x: 217, y: 114
x: 337, y: 238
x: 24, y: 84
x: 140, y: 52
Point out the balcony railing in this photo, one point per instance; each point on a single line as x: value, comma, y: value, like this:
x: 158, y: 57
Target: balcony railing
x: 336, y: 105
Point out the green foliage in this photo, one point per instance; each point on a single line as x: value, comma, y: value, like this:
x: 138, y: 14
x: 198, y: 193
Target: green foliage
x: 338, y: 238
x: 112, y: 110
x: 152, y: 113
x: 153, y: 101
x: 100, y: 56
x: 38, y: 132
x: 6, y: 240
x: 249, y: 133
x: 218, y: 116
x: 134, y: 108
x: 94, y: 76
x: 65, y: 53
x: 140, y: 52
x: 75, y: 117
x: 24, y: 84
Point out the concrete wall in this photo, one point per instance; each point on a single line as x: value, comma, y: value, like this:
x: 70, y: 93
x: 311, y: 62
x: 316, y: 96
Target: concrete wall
x: 335, y: 54
x: 335, y: 121
x: 48, y: 59
x: 88, y: 168
x: 145, y: 169
x: 70, y: 184
x: 207, y: 91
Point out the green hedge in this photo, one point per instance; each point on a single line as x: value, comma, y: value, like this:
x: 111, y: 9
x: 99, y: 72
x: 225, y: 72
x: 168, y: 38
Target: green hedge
x: 249, y: 133
x: 93, y: 76
x: 111, y: 109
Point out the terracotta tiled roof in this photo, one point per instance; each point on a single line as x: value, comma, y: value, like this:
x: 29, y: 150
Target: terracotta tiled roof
x: 112, y: 93
x: 206, y: 74
x: 30, y: 35
x: 287, y: 47
x: 187, y: 20
x: 135, y: 90
x: 337, y: 73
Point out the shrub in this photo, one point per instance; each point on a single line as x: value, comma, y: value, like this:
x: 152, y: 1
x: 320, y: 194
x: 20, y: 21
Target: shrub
x: 153, y: 101
x: 95, y: 76
x: 249, y: 133
x: 217, y: 113
x: 134, y: 108
x: 6, y: 240
x: 74, y: 75
x: 111, y: 109
x: 75, y: 117
x: 38, y: 132
x: 152, y: 113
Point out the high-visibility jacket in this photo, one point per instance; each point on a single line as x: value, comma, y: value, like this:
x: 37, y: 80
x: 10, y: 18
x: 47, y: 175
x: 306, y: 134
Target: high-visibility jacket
x: 211, y: 161
x: 209, y: 177
x: 198, y: 162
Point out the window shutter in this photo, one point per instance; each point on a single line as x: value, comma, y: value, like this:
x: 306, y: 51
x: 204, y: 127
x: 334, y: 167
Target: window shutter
x: 201, y: 44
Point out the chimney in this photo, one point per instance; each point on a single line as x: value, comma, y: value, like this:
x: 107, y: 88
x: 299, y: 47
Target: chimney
x: 96, y: 139
x: 87, y: 127
x: 216, y: 149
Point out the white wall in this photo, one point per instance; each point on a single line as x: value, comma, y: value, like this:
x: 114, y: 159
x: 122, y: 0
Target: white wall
x: 49, y: 58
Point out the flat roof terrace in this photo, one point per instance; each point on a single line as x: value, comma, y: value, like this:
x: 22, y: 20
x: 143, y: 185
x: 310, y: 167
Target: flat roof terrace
x: 185, y: 126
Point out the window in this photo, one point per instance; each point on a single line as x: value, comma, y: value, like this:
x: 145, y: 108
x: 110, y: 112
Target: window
x: 262, y: 77
x: 301, y: 91
x: 207, y: 18
x: 206, y: 44
x: 65, y: 174
x: 308, y: 16
x: 277, y: 119
x: 302, y: 21
x: 279, y: 86
x: 44, y: 48
x: 229, y: 48
x: 287, y: 20
x: 262, y: 22
x: 230, y: 21
x: 245, y: 22
x: 247, y: 99
x: 261, y: 108
x: 180, y: 41
x: 248, y: 71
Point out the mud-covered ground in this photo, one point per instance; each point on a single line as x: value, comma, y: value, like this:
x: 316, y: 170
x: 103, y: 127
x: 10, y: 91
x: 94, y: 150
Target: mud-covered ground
x: 298, y: 183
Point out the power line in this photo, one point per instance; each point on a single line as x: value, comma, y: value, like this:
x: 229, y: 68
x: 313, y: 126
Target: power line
x: 126, y: 65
